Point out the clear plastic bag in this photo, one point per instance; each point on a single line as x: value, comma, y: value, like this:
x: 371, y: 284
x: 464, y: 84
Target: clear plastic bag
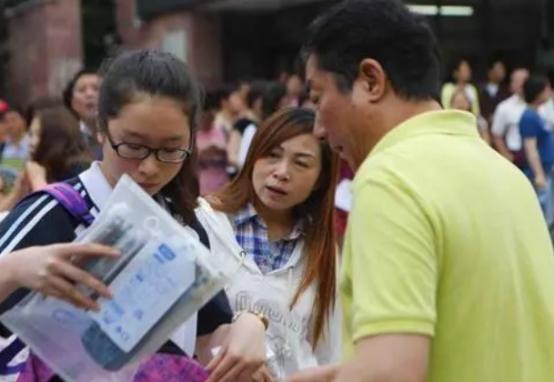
x: 162, y: 277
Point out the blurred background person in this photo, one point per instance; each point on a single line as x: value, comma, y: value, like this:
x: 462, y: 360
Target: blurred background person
x: 57, y: 151
x: 3, y: 128
x: 538, y: 142
x: 7, y: 176
x: 211, y: 144
x: 81, y: 98
x: 461, y: 101
x: 57, y: 148
x: 460, y: 78
x: 16, y: 149
x: 505, y: 122
x: 274, y: 97
x: 493, y: 91
x: 546, y: 110
x: 295, y: 90
x: 230, y: 105
x: 251, y: 114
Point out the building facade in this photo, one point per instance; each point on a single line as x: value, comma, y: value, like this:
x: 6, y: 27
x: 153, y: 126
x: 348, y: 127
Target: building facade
x: 46, y: 41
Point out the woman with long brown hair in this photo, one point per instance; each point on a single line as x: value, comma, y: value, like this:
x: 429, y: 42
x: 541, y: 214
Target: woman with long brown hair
x: 56, y: 152
x: 56, y: 147
x: 276, y: 221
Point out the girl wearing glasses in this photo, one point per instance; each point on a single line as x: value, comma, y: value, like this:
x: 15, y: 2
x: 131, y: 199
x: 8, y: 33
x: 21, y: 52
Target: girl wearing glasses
x: 147, y: 113
x: 276, y: 220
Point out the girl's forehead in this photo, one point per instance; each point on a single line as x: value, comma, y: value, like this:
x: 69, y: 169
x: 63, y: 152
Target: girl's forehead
x: 153, y: 117
x: 162, y: 108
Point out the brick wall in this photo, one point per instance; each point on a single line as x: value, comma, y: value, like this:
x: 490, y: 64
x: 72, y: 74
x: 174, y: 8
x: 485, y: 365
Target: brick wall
x: 45, y: 50
x: 194, y: 37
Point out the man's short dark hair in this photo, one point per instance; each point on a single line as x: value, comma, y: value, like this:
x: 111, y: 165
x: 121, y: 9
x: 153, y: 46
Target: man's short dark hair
x: 384, y: 30
x: 533, y: 87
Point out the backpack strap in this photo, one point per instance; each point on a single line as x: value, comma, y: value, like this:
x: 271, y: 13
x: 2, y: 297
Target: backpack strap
x: 6, y: 356
x: 70, y: 199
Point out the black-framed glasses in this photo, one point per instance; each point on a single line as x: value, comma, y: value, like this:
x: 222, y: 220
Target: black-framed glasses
x: 128, y: 150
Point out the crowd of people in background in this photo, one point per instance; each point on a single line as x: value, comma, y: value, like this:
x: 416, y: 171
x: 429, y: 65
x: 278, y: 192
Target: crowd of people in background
x: 514, y: 112
x: 516, y: 117
x: 233, y: 113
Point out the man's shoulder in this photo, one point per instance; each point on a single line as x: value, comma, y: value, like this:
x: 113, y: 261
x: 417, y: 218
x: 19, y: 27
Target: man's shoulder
x: 384, y: 167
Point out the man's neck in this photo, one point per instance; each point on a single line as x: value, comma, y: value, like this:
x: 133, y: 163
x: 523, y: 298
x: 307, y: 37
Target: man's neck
x: 393, y: 114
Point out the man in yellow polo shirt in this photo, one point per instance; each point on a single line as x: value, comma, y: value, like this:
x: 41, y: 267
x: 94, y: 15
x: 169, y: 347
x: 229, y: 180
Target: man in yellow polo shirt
x: 448, y: 267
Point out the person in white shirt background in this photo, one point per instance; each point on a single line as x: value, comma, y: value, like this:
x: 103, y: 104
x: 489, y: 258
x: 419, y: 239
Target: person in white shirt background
x: 504, y: 129
x: 460, y: 78
x: 546, y: 110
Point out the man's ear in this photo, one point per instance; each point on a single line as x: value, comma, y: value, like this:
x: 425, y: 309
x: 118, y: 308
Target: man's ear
x: 371, y: 73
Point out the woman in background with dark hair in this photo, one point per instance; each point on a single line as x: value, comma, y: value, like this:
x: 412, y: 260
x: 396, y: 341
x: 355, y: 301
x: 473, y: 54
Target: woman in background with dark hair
x: 460, y: 101
x: 251, y: 115
x: 57, y: 152
x: 16, y: 150
x: 80, y: 96
x: 212, y: 149
x: 273, y: 98
x: 56, y: 147
x: 460, y: 78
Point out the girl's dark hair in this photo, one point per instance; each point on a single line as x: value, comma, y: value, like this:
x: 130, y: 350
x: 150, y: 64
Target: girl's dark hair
x: 61, y: 144
x: 155, y: 73
x: 67, y: 94
x: 317, y: 210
